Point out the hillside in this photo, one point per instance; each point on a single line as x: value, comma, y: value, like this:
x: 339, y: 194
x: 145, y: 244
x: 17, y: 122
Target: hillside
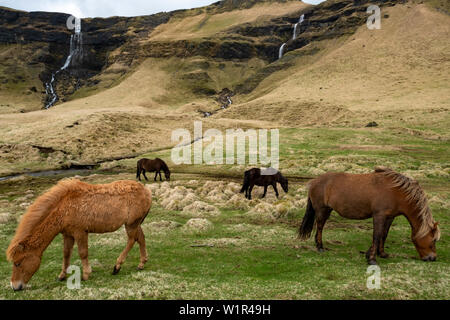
x: 401, y: 68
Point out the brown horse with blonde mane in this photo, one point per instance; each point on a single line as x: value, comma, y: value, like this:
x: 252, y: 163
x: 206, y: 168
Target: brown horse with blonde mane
x: 75, y: 209
x: 383, y: 195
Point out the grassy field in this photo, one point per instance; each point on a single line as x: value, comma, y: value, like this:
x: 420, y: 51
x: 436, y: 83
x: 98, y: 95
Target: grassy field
x: 248, y: 250
x: 321, y: 97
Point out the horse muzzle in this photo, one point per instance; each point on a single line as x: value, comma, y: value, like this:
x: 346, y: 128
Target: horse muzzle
x: 17, y: 286
x: 429, y: 258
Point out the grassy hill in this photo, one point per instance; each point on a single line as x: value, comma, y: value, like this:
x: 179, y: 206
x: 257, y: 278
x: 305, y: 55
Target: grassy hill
x: 396, y: 76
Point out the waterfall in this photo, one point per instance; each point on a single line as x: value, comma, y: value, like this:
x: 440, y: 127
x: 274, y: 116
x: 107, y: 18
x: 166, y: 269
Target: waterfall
x: 280, y: 55
x: 300, y: 21
x: 76, y: 50
x: 74, y: 58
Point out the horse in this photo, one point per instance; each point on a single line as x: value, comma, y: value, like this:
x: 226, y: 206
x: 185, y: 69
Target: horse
x: 383, y: 195
x: 263, y: 178
x: 156, y: 165
x: 75, y: 209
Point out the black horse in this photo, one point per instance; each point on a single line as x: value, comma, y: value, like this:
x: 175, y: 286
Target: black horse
x: 263, y: 178
x: 146, y: 165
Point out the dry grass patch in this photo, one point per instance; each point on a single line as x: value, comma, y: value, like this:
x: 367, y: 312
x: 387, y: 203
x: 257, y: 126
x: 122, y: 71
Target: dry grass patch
x: 201, y: 209
x: 204, y: 25
x: 197, y: 226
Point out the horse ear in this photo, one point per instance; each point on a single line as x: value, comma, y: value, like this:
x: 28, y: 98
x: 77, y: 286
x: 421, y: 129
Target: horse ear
x: 436, y: 224
x: 15, y: 249
x: 20, y: 246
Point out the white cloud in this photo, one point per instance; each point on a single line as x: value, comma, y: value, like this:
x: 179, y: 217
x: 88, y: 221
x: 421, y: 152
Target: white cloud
x: 104, y: 8
x: 108, y: 8
x: 313, y: 1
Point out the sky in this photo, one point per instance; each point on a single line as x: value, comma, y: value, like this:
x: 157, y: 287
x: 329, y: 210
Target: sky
x: 109, y: 8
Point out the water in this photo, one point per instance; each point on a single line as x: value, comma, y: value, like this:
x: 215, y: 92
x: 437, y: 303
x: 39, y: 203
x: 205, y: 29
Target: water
x: 300, y: 21
x: 74, y: 58
x: 294, y: 36
x: 280, y: 55
x: 50, y: 173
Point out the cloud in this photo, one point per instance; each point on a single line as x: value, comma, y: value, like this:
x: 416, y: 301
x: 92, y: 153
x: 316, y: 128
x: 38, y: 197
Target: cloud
x: 104, y: 8
x: 108, y: 8
x: 313, y: 1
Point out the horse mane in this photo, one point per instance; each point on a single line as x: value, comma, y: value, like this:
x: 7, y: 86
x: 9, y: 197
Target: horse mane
x: 282, y: 178
x: 38, y: 211
x: 163, y: 165
x: 415, y: 196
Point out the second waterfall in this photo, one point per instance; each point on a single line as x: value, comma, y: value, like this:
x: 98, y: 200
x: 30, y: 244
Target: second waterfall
x: 300, y: 21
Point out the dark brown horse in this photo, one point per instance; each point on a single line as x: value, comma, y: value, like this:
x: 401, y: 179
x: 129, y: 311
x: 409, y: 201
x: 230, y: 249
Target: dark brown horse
x: 263, y: 178
x: 157, y: 165
x: 382, y: 195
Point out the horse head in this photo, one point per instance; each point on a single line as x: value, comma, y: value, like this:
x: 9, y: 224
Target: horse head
x: 167, y: 174
x: 284, y: 183
x: 25, y: 264
x: 426, y: 245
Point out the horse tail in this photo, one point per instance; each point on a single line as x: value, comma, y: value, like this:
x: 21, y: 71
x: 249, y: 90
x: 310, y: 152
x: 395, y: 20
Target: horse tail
x: 246, y: 183
x: 308, y: 222
x: 138, y: 172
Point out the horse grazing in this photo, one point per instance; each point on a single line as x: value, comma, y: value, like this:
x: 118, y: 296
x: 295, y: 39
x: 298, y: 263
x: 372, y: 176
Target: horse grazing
x: 383, y: 195
x: 156, y: 165
x: 263, y: 178
x: 75, y: 209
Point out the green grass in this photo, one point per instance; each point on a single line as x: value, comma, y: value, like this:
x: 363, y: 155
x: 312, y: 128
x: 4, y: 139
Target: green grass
x: 263, y: 260
x: 257, y: 258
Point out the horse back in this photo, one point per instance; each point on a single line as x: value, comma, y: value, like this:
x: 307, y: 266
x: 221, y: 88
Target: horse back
x: 355, y: 196
x: 105, y: 208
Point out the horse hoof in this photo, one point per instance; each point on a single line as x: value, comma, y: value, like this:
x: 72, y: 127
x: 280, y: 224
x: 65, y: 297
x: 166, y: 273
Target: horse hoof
x: 140, y: 268
x: 372, y: 262
x: 115, y: 270
x: 384, y: 255
x: 321, y: 250
x: 62, y: 278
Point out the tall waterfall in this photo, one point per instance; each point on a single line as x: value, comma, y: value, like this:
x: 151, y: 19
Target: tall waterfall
x: 75, y: 56
x: 300, y: 21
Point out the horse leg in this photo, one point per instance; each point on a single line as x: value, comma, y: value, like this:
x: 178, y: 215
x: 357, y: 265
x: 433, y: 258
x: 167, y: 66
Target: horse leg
x: 387, y: 226
x: 160, y: 176
x: 276, y: 189
x: 132, y: 237
x: 250, y: 191
x: 156, y: 175
x: 142, y: 248
x: 68, y: 247
x: 321, y: 218
x: 82, y: 243
x: 138, y: 173
x: 379, y: 221
x: 145, y: 176
x: 265, y: 192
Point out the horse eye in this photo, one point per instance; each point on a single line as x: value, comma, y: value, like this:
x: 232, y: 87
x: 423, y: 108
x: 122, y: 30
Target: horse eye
x: 17, y: 264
